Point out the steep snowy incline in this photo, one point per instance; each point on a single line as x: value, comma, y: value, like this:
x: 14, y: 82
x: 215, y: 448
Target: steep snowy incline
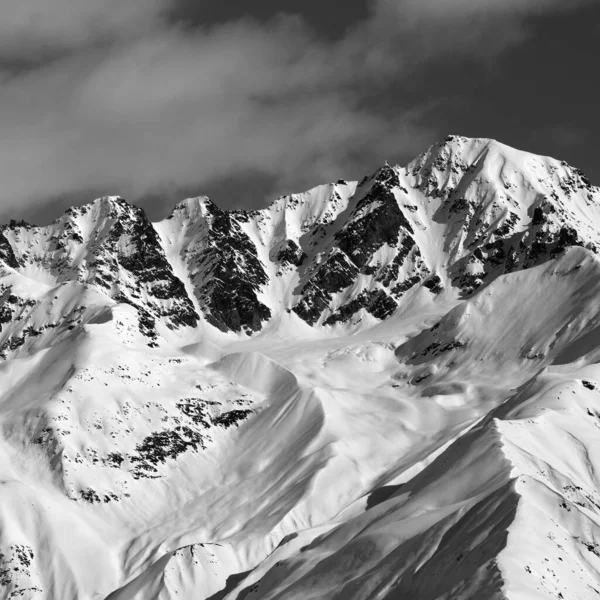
x: 502, y: 209
x: 435, y: 505
x: 500, y: 512
x: 348, y: 394
x: 518, y: 325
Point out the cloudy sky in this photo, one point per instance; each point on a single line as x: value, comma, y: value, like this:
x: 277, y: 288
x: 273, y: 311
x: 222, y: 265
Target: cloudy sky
x: 157, y: 100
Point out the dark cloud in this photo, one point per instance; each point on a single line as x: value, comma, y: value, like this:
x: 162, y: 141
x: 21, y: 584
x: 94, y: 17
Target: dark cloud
x: 328, y: 19
x: 136, y: 104
x: 479, y: 29
x: 30, y: 29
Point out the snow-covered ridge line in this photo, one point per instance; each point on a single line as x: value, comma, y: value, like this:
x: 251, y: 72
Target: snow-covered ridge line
x: 342, y: 255
x: 366, y: 391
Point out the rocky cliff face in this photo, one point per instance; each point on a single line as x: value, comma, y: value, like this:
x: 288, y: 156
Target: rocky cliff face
x: 109, y: 246
x: 221, y: 264
x: 453, y: 220
x: 457, y: 217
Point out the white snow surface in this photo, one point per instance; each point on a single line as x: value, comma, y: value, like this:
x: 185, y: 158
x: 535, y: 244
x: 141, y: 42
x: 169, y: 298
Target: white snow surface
x: 449, y: 449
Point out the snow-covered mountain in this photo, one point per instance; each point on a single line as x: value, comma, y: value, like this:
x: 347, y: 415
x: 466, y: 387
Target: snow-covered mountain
x: 372, y: 390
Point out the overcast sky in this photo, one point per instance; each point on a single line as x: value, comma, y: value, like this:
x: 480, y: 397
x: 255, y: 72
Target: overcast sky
x: 156, y: 100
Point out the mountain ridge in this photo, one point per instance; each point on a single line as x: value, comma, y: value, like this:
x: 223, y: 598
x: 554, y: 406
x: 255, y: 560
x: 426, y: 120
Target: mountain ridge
x: 339, y: 249
x: 346, y: 394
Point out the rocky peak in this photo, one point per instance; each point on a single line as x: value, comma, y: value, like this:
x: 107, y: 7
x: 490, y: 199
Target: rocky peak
x: 458, y: 216
x: 220, y: 264
x: 113, y: 450
x: 193, y: 208
x: 111, y: 246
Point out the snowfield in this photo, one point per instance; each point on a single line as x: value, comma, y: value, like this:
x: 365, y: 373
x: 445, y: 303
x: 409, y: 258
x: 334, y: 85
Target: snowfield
x: 373, y: 390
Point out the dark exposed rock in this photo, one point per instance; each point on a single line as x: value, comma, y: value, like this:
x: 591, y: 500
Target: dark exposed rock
x: 312, y: 305
x: 375, y: 302
x: 468, y: 282
x: 434, y: 284
x: 373, y: 245
x: 190, y: 433
x: 159, y: 446
x: 146, y: 322
x: 114, y: 459
x: 496, y: 255
x: 15, y: 565
x: 233, y: 417
x: 547, y: 245
x: 511, y: 260
x: 89, y: 495
x: 195, y: 409
x: 331, y: 277
x: 376, y: 220
x: 123, y: 257
x: 390, y: 274
x: 538, y: 216
x: 508, y: 225
x: 401, y: 288
x: 380, y: 225
x: 567, y: 237
x: 380, y: 305
x: 459, y: 205
x: 436, y: 348
x: 234, y: 306
x: 336, y: 274
x: 232, y: 276
x: 431, y: 348
x: 370, y: 269
x: 6, y: 314
x: 291, y: 254
x: 6, y: 253
x: 147, y: 262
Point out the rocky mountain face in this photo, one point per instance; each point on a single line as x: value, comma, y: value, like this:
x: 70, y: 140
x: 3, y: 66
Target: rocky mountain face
x: 347, y: 394
x: 109, y: 246
x: 457, y: 217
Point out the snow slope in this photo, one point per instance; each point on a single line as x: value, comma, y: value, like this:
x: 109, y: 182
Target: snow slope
x: 370, y: 390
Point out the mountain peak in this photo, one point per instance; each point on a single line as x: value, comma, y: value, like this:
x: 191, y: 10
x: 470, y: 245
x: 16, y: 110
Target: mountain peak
x: 113, y: 203
x: 193, y: 207
x: 340, y: 252
x: 461, y: 152
x: 346, y: 394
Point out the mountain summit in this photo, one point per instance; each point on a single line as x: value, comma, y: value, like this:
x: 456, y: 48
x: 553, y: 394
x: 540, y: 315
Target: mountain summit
x: 371, y: 390
x: 457, y: 217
